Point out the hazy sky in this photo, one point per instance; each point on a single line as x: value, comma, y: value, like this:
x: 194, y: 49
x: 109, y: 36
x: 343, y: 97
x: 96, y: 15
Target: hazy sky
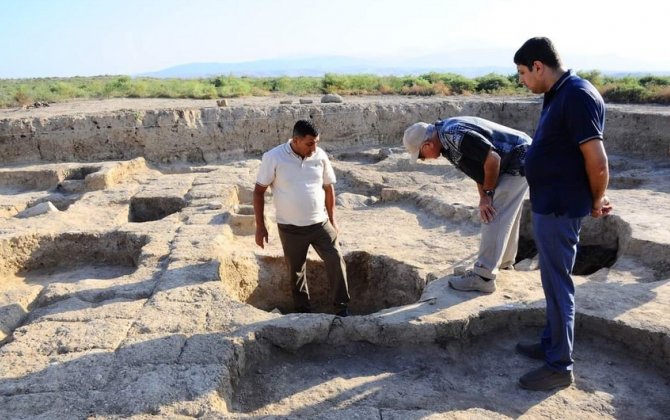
x: 94, y: 37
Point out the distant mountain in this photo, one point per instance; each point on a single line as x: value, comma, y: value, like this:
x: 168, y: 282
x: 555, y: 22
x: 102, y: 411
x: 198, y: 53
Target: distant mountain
x: 469, y: 63
x: 318, y: 66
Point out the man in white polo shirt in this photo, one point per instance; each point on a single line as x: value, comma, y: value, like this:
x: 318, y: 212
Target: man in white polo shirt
x: 302, y: 179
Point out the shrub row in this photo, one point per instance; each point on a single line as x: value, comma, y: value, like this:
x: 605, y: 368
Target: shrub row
x: 18, y: 92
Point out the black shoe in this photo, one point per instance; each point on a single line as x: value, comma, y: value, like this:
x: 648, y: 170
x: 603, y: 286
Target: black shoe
x: 534, y: 351
x: 544, y: 379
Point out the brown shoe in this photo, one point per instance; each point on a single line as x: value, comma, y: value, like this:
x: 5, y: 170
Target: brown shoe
x: 544, y: 379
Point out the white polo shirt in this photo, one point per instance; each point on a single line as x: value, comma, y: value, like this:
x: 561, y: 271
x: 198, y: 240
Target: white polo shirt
x: 297, y: 184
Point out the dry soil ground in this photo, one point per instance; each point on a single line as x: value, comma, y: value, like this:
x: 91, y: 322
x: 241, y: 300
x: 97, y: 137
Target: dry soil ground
x: 141, y: 293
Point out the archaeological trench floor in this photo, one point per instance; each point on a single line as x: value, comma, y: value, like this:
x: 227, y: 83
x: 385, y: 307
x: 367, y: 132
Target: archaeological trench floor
x: 133, y: 290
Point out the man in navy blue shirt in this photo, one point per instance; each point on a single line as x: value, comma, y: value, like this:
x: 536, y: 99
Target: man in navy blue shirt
x: 566, y: 169
x: 492, y: 155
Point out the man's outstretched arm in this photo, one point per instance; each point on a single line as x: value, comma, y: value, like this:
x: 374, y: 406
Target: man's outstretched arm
x: 259, y: 209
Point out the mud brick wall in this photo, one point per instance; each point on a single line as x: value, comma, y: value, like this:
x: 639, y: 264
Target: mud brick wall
x: 207, y: 135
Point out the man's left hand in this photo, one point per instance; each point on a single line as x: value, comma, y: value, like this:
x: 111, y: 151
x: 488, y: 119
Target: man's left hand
x: 603, y: 209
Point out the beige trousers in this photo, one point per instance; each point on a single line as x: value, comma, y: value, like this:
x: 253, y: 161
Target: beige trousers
x: 500, y: 238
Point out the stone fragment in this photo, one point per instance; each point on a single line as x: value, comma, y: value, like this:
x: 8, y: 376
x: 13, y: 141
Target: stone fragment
x: 41, y: 208
x: 331, y: 98
x: 529, y: 264
x: 352, y: 201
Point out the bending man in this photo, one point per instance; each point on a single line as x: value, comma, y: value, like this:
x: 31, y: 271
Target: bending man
x: 493, y: 156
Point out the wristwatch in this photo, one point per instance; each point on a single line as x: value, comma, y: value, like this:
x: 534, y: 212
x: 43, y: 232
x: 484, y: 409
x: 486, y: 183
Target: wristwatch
x: 489, y: 193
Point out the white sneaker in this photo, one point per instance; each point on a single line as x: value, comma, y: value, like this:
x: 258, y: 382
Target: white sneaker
x: 471, y: 282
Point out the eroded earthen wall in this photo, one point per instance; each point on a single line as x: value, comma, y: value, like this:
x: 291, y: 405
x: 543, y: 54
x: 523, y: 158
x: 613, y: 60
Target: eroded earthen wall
x: 209, y: 134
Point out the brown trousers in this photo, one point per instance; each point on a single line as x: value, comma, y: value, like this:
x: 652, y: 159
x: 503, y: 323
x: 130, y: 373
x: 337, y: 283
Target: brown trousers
x: 295, y: 241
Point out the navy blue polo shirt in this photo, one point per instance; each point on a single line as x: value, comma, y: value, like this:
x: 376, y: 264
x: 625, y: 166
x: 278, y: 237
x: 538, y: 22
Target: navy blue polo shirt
x: 573, y: 112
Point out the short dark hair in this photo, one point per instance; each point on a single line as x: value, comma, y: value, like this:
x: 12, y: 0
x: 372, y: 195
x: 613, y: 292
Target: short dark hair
x: 538, y: 49
x: 304, y: 128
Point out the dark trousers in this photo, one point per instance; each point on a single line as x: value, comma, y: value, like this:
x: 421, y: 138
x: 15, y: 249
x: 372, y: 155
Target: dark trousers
x: 556, y: 238
x: 295, y: 241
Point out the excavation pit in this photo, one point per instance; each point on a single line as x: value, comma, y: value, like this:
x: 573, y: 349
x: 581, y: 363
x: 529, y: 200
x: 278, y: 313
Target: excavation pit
x: 375, y: 283
x: 600, y: 242
x: 16, y: 181
x: 29, y: 264
x: 61, y: 252
x: 149, y: 209
x: 74, y: 174
x: 242, y: 220
x: 417, y: 380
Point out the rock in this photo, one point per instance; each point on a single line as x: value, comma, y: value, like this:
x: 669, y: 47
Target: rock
x: 331, y: 98
x: 529, y: 264
x: 41, y: 208
x: 222, y: 102
x: 306, y: 101
x: 390, y: 194
x: 214, y: 205
x: 352, y: 201
x: 385, y: 152
x: 286, y: 102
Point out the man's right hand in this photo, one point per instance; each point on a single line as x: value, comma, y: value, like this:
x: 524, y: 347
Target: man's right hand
x: 261, y: 234
x: 486, y: 210
x: 259, y: 206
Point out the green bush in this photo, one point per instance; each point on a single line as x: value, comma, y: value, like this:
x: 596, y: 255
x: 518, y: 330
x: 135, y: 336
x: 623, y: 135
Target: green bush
x: 139, y: 89
x: 63, y: 90
x: 363, y: 83
x: 22, y: 97
x: 660, y: 95
x: 232, y: 87
x: 628, y: 93
x: 455, y: 83
x: 333, y: 83
x: 290, y: 85
x: 118, y: 87
x: 649, y: 81
x: 492, y: 82
x: 593, y: 76
x: 514, y: 80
